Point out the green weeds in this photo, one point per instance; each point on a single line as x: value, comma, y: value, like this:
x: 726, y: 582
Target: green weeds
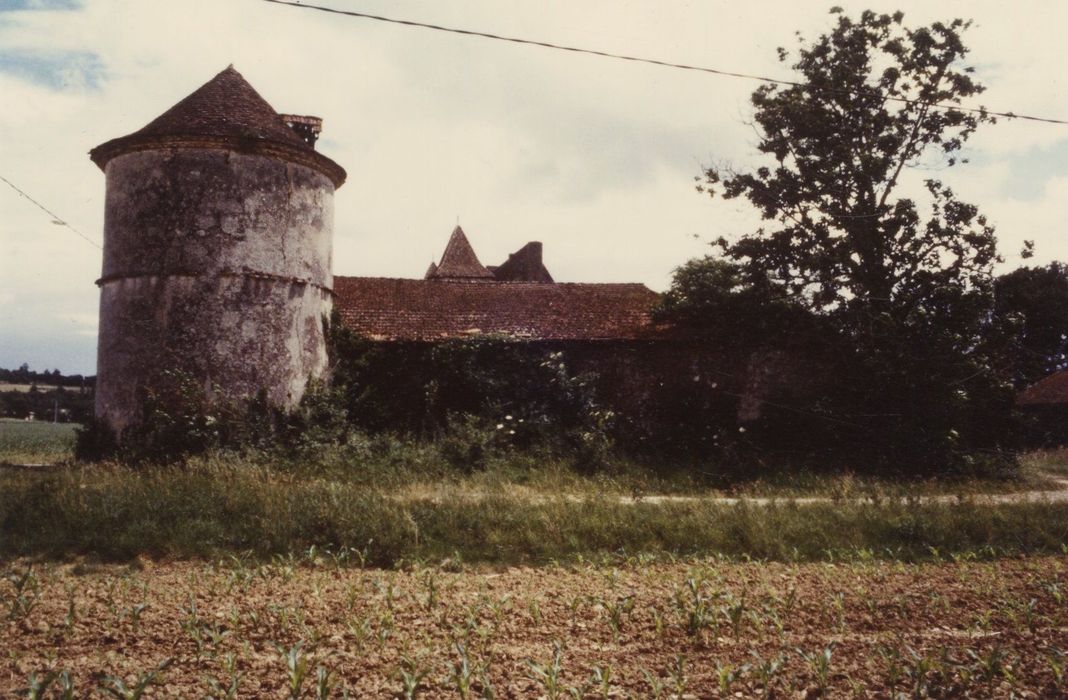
x: 219, y: 508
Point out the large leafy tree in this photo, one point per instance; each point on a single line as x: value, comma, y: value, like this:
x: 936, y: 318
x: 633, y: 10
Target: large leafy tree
x: 1033, y: 301
x: 898, y: 265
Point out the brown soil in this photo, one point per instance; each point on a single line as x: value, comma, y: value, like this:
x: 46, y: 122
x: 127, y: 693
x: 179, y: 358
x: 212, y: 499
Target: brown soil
x: 966, y: 629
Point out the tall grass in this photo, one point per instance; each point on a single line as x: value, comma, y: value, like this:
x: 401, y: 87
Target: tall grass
x: 216, y: 506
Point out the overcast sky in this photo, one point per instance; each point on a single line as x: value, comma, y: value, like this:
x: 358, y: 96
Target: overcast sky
x: 594, y: 157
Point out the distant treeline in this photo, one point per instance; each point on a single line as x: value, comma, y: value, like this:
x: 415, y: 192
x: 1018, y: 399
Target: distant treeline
x: 25, y: 375
x: 52, y: 395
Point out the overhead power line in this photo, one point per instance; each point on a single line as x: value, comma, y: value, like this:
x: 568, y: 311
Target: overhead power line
x: 652, y: 61
x: 55, y: 218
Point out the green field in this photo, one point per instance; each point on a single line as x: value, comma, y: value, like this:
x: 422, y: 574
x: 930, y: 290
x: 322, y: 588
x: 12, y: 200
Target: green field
x: 35, y: 442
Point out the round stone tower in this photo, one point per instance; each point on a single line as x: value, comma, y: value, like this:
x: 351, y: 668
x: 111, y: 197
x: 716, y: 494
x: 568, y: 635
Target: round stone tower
x: 218, y: 230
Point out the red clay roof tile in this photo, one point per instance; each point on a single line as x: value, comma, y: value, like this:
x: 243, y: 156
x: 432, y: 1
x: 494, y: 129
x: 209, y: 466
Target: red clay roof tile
x: 428, y: 310
x: 1051, y: 390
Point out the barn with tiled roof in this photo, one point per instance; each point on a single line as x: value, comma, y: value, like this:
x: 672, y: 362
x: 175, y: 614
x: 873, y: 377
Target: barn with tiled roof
x: 461, y: 298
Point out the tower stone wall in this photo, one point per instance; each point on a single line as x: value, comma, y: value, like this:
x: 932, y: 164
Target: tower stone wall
x: 217, y: 258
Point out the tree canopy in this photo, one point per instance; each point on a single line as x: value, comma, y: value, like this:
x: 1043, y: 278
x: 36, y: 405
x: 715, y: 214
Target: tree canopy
x: 1034, y: 301
x: 844, y: 233
x: 899, y: 268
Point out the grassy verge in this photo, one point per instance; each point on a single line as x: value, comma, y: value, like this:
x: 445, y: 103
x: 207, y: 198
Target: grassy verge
x: 35, y: 442
x: 214, y: 507
x: 1052, y: 461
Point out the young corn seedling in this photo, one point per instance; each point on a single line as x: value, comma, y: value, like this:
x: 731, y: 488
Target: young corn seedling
x: 658, y: 621
x: 535, y: 612
x: 1029, y: 614
x: 892, y: 658
x: 71, y: 617
x: 37, y: 686
x: 64, y: 686
x: 734, y: 611
x: 25, y: 596
x: 461, y: 672
x: 411, y: 675
x: 917, y: 669
x: 728, y: 674
x: 430, y: 581
x: 838, y: 605
x: 220, y: 692
x: 992, y: 665
x: 601, y: 680
x: 1053, y: 588
x: 118, y: 689
x: 324, y: 683
x: 766, y: 670
x: 548, y: 675
x: 486, y: 691
x: 820, y: 664
x: 789, y: 602
x: 677, y: 674
x: 361, y: 630
x: 385, y: 628
x: 297, y: 667
x: 135, y: 615
x: 1055, y: 657
x: 695, y: 608
x: 616, y: 611
x: 656, y: 685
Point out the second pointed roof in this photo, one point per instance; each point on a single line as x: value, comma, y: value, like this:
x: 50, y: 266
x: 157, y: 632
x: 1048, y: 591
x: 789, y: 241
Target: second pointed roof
x: 459, y: 260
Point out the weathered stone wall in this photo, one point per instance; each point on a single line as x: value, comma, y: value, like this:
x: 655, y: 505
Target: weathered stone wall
x: 216, y: 263
x: 638, y: 377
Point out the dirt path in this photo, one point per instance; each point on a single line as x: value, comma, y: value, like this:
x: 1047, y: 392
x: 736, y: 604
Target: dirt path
x: 1055, y: 495
x: 1047, y: 495
x: 1059, y: 494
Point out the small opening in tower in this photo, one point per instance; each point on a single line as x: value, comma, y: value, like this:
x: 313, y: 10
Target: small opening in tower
x: 307, y: 128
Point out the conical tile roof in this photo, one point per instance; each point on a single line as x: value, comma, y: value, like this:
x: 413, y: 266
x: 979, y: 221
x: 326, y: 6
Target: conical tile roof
x: 459, y: 260
x: 224, y: 112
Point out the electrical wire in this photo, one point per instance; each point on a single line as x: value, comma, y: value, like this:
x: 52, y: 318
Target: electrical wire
x: 55, y: 218
x: 657, y: 62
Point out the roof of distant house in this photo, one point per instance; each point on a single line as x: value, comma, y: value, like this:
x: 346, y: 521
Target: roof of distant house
x: 225, y: 112
x: 438, y: 309
x: 1046, y: 392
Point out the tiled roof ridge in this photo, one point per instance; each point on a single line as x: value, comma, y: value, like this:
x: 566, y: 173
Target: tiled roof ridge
x: 224, y: 112
x: 495, y: 282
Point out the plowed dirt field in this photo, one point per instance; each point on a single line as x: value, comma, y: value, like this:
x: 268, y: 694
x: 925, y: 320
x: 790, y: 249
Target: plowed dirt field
x: 633, y: 628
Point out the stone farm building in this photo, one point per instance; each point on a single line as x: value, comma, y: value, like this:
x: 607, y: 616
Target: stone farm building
x: 217, y: 260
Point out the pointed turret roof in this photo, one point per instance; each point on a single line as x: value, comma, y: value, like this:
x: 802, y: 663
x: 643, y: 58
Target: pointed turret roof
x: 459, y: 260
x: 225, y: 112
